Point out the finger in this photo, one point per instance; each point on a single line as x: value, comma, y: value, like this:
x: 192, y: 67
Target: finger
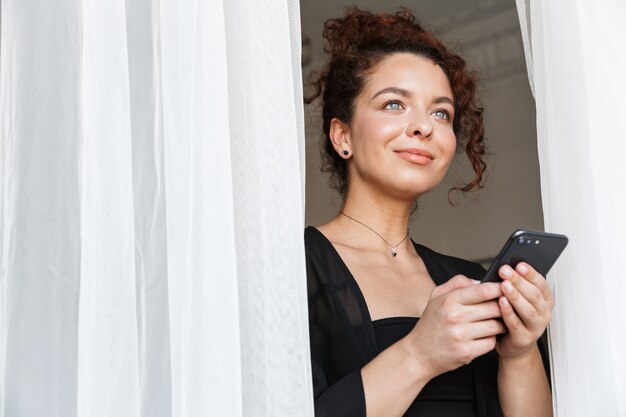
x: 524, y: 309
x: 481, y: 346
x: 526, y: 288
x: 454, y: 283
x: 478, y: 293
x: 481, y: 311
x: 512, y: 321
x: 535, y: 278
x: 485, y: 328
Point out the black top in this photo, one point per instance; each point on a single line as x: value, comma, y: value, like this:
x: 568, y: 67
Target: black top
x: 344, y: 340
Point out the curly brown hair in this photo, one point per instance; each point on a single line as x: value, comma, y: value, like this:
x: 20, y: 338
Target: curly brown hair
x: 357, y: 43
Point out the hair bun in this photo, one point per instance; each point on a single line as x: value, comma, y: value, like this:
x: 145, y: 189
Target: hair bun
x: 359, y: 29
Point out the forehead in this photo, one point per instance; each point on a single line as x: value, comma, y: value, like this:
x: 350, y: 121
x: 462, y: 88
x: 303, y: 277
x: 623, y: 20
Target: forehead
x: 411, y: 72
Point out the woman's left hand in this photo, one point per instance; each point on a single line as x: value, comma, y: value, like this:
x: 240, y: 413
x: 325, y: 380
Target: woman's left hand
x: 526, y: 308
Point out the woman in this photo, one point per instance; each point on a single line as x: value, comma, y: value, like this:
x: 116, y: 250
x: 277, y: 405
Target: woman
x: 396, y: 328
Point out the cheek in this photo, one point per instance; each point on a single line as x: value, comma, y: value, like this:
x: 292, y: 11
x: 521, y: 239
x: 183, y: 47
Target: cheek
x: 377, y: 129
x: 448, y: 144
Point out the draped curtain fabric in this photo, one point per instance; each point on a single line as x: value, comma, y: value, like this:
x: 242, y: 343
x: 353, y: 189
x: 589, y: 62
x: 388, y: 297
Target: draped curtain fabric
x: 576, y: 58
x: 151, y: 209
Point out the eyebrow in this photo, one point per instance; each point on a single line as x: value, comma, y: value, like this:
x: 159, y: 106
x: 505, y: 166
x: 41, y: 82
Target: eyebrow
x: 395, y: 90
x: 405, y: 93
x: 444, y: 99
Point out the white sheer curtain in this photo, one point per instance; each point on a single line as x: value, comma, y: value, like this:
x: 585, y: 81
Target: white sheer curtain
x: 576, y: 58
x: 151, y: 209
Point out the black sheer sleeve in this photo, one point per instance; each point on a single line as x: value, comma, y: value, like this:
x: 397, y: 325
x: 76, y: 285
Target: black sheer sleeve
x: 344, y: 398
x: 342, y: 339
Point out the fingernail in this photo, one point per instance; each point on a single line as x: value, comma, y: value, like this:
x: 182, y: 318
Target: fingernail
x: 522, y: 269
x: 507, y: 286
x: 505, y: 302
x: 475, y: 282
x: 506, y: 271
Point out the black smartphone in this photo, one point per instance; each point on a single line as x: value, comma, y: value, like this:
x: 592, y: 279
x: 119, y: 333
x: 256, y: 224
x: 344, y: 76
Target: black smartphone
x: 538, y: 249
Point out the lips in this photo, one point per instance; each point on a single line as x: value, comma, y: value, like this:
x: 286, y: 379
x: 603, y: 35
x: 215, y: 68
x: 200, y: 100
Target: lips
x: 415, y: 155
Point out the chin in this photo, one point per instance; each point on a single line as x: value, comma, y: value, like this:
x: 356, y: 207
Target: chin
x: 413, y: 186
x: 410, y: 191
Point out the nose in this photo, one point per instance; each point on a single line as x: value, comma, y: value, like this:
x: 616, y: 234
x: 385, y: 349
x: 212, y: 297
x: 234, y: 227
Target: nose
x: 420, y: 126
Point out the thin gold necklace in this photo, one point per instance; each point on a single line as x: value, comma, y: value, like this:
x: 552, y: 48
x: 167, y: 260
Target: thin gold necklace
x: 394, y: 252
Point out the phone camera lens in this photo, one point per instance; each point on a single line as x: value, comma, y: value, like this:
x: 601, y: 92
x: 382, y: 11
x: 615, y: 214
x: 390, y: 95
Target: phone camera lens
x: 537, y: 242
x: 521, y: 240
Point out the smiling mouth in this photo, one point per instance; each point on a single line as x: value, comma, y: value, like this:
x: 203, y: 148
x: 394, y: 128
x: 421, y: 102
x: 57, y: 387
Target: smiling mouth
x: 416, y: 156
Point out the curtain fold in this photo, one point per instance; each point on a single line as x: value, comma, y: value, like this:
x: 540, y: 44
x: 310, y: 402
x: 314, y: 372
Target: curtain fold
x: 267, y: 143
x: 107, y: 317
x: 40, y: 223
x: 577, y: 64
x: 143, y: 32
x: 152, y: 209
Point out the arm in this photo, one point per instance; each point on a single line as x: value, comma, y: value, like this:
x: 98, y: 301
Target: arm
x: 393, y: 379
x: 526, y: 308
x: 523, y: 386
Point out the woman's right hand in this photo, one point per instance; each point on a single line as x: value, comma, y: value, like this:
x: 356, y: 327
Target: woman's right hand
x: 459, y: 324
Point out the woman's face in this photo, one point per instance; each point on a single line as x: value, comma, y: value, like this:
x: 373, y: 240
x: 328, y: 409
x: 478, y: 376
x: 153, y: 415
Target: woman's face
x: 401, y: 133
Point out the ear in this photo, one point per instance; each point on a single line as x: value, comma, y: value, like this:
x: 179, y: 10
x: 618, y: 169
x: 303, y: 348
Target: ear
x: 339, y: 134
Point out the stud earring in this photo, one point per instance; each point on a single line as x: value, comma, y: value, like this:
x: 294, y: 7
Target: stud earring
x: 345, y: 152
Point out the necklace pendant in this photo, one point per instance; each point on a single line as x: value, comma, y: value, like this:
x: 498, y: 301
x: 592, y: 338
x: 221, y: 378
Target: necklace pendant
x: 393, y: 252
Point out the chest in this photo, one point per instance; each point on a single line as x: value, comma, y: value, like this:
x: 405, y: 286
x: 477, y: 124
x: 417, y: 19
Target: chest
x: 398, y: 287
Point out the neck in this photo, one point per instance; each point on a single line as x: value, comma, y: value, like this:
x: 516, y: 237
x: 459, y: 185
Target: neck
x: 387, y: 216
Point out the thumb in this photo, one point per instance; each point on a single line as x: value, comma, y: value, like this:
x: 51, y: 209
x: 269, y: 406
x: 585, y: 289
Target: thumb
x: 455, y: 283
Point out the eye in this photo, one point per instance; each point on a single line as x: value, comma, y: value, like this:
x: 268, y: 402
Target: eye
x: 393, y: 105
x: 441, y: 114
